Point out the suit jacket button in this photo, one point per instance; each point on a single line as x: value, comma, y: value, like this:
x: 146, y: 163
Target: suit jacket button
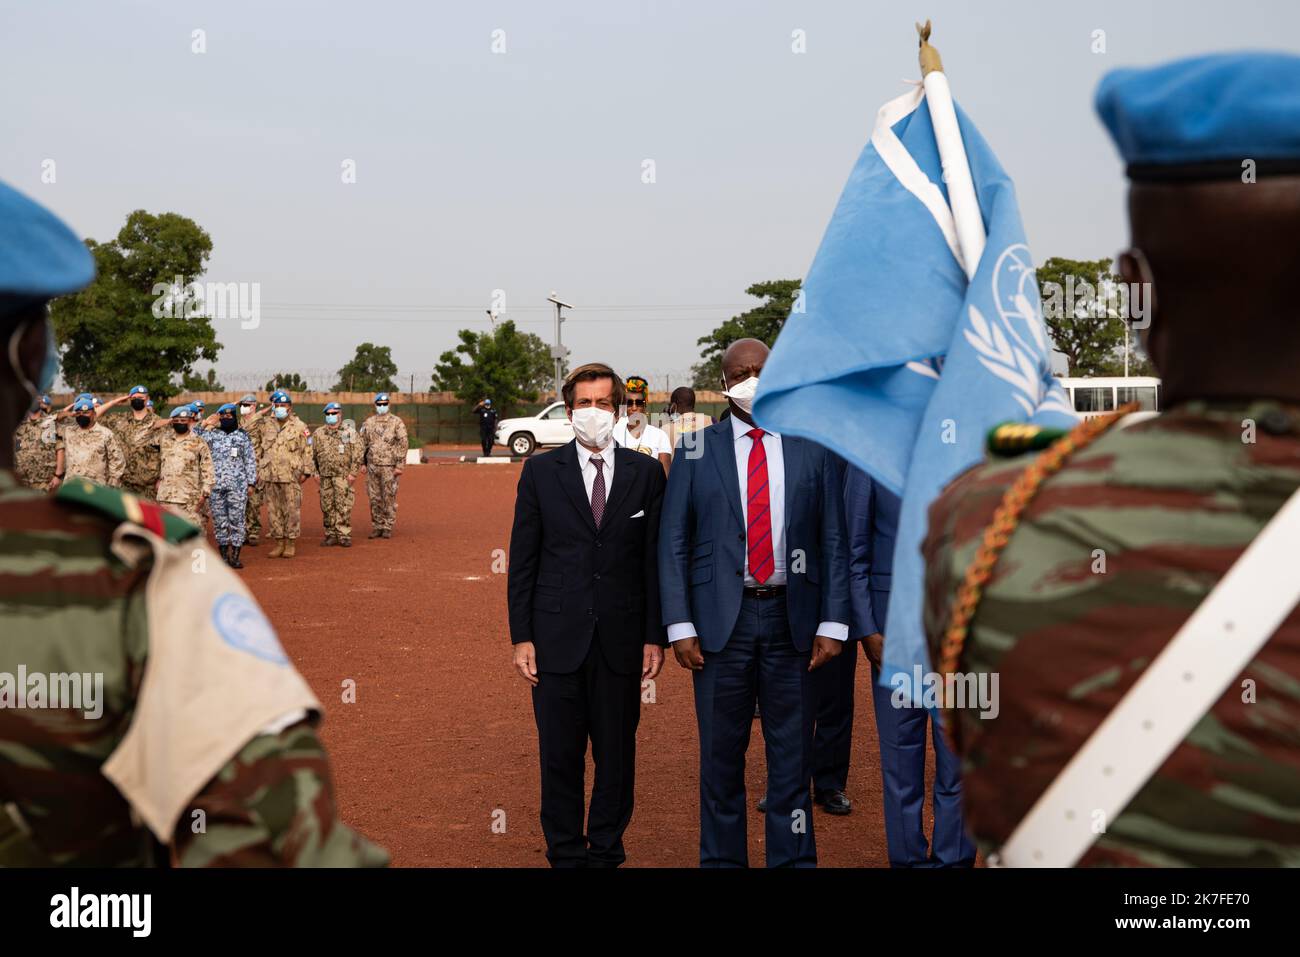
x: 598, y: 544
x: 596, y: 576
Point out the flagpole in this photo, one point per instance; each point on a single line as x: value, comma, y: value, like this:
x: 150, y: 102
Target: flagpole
x: 952, y: 155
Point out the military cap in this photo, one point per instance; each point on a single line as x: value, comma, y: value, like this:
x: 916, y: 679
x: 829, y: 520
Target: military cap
x: 182, y: 412
x: 197, y: 405
x: 46, y: 400
x: 248, y: 399
x: 279, y: 395
x: 40, y: 257
x: 228, y: 407
x: 84, y: 403
x: 333, y: 407
x: 381, y: 397
x: 138, y: 390
x: 1202, y: 118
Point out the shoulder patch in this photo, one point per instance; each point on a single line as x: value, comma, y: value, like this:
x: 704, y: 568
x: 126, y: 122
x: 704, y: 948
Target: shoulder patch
x: 125, y: 507
x: 1012, y: 438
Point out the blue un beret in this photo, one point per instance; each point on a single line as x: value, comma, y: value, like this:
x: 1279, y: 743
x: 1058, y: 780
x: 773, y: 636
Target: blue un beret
x: 40, y: 257
x: 1201, y: 118
x: 84, y: 404
x: 333, y: 407
x: 382, y: 397
x: 138, y: 390
x: 279, y: 395
x: 228, y: 407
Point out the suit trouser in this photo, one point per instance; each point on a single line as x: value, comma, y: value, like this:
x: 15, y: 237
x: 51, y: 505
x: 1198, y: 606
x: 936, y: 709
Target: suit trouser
x: 832, y: 744
x: 902, y: 734
x: 593, y: 702
x: 759, y: 662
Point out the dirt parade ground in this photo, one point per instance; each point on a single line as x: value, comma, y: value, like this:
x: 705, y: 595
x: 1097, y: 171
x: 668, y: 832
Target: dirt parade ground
x: 436, y: 758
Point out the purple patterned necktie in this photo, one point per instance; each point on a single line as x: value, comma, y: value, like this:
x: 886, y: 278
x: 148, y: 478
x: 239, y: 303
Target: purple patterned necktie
x: 598, y: 490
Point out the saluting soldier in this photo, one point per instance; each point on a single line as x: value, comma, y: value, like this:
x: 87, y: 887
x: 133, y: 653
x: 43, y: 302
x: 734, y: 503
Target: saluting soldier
x: 287, y: 464
x: 234, y: 470
x: 34, y: 451
x: 1077, y: 568
x: 253, y: 421
x: 138, y: 438
x: 88, y: 450
x: 337, y: 452
x: 385, y: 442
x: 186, y: 476
x: 204, y: 750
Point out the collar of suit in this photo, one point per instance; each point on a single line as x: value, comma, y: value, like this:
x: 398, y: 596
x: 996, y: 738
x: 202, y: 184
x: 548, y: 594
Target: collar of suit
x: 569, y: 464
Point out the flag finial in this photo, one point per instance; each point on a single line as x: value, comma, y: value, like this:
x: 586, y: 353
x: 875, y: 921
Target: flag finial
x: 930, y: 62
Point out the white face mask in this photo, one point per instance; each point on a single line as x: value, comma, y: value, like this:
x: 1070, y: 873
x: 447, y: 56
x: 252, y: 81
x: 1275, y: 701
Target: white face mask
x: 245, y: 409
x: 593, y: 426
x: 742, y: 393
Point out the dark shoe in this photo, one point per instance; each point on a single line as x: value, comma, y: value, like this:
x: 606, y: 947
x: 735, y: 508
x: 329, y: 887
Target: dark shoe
x: 330, y: 540
x: 833, y: 802
x: 345, y: 542
x: 387, y: 533
x: 234, y: 557
x: 225, y: 553
x: 375, y: 533
x: 250, y: 542
x: 762, y: 804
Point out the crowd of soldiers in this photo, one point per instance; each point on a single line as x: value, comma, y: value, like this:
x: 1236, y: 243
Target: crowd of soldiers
x: 225, y: 466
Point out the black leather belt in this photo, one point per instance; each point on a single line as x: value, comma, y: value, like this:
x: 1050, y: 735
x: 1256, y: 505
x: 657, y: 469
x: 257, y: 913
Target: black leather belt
x: 764, y: 591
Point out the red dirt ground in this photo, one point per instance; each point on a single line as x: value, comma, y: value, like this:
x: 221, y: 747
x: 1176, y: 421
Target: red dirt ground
x: 441, y: 736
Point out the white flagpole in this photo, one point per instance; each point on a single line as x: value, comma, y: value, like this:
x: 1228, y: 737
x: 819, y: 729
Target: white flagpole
x: 952, y: 154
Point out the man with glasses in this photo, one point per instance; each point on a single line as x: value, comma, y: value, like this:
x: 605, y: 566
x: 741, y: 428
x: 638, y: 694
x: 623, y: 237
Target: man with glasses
x: 634, y: 430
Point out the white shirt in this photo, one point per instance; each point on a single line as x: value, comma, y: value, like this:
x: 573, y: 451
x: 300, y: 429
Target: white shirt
x: 652, y: 441
x: 585, y: 455
x: 776, y: 509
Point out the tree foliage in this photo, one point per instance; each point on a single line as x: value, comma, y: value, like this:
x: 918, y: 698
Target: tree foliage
x: 1083, y: 307
x: 197, y: 383
x: 762, y: 322
x: 371, y: 370
x: 503, y: 364
x: 288, y: 381
x: 109, y: 335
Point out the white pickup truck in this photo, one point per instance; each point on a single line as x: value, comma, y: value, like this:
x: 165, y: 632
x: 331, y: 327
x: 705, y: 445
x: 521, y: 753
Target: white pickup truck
x: 523, y: 436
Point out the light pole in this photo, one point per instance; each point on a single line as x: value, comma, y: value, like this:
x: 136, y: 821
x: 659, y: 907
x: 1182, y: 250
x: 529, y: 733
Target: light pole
x: 558, y: 351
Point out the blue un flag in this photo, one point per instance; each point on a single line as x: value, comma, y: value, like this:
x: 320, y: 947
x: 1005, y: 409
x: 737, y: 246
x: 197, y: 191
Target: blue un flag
x: 892, y: 359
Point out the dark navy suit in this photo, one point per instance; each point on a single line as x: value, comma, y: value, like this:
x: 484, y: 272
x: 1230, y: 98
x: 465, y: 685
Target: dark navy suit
x: 753, y: 647
x: 871, y: 513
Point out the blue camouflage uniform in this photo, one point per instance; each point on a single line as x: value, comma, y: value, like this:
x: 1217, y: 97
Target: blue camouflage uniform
x: 235, y: 468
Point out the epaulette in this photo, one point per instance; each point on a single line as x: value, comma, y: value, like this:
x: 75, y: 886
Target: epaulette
x: 126, y: 507
x: 1012, y: 438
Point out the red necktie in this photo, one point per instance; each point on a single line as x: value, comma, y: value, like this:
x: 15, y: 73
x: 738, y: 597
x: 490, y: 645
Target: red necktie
x: 759, y: 532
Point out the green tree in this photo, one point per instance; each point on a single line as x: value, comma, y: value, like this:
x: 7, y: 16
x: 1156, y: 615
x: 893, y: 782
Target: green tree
x: 139, y: 321
x: 503, y: 364
x: 1082, y: 307
x: 288, y: 381
x: 762, y: 322
x: 371, y: 370
x: 197, y: 383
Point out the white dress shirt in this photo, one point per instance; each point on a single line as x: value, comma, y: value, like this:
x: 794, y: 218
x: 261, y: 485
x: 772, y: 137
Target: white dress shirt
x: 585, y: 455
x: 776, y: 509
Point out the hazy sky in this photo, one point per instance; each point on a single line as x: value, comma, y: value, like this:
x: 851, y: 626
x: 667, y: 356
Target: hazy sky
x: 522, y: 170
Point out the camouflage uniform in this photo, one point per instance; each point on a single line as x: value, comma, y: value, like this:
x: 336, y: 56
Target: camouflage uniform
x: 88, y: 607
x: 91, y: 453
x: 34, y: 451
x: 256, y: 433
x: 286, y: 458
x: 139, y: 441
x: 186, y: 476
x: 337, y: 452
x: 385, y: 443
x: 234, y: 471
x: 1168, y: 504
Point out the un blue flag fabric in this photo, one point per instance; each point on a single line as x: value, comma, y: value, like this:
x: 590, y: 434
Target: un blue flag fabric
x: 891, y: 359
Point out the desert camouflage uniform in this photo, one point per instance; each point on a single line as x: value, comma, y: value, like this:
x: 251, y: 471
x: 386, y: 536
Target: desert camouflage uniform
x: 34, y: 451
x: 384, y: 439
x: 186, y: 476
x: 256, y: 433
x: 234, y: 470
x: 91, y: 453
x: 286, y: 458
x: 139, y: 442
x: 337, y: 452
x: 85, y: 609
x: 1169, y: 505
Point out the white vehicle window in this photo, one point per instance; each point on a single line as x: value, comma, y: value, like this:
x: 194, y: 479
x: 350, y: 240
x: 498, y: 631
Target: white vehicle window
x: 555, y: 413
